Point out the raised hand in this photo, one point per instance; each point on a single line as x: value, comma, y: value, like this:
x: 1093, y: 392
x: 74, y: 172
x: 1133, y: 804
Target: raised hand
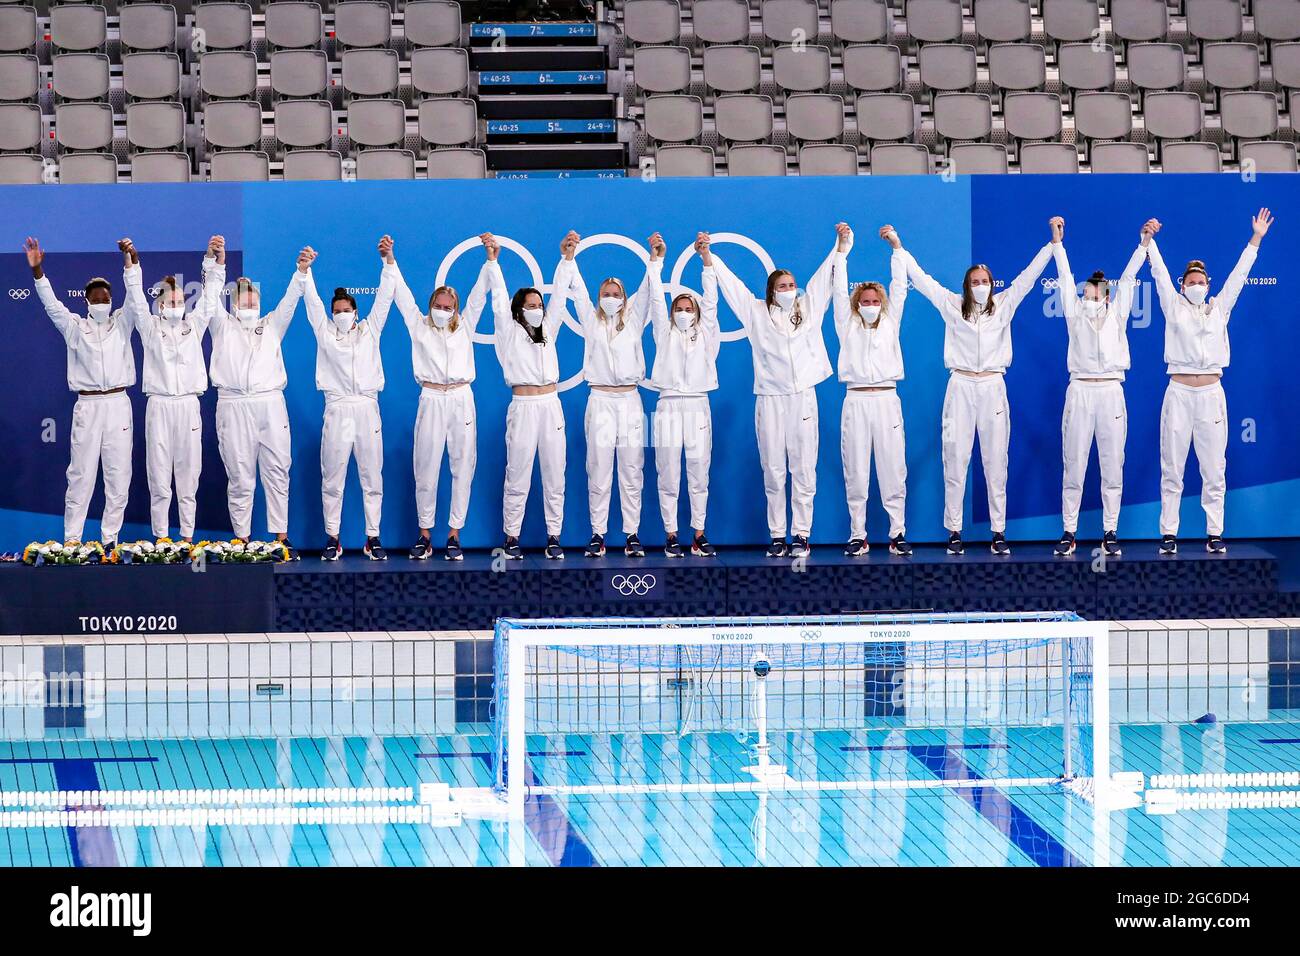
x: 1058, y: 228
x: 490, y: 246
x: 569, y: 244
x: 658, y: 249
x: 890, y: 235
x: 1260, y: 223
x: 129, y: 256
x: 845, y: 234
x: 1150, y: 228
x: 305, y: 258
x: 702, y: 247
x: 217, y: 249
x: 35, y: 255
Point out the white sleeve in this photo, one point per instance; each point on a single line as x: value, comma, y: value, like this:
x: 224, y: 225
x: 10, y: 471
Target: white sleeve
x: 1065, y: 287
x: 478, y: 293
x: 64, y: 320
x: 1127, y: 285
x: 315, y: 307
x: 136, y: 305
x: 405, y: 300
x: 925, y: 284
x: 709, y: 311
x: 214, y: 280
x: 1011, y: 297
x: 843, y: 307
x: 561, y: 286
x: 817, y: 294
x: 1227, y: 298
x: 378, y: 314
x: 741, y: 301
x: 897, y: 284
x: 1164, y: 284
x: 282, y: 315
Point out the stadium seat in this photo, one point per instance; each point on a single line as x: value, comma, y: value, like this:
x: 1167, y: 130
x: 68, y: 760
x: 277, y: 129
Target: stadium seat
x: 731, y: 69
x: 899, y: 159
x: 814, y: 117
x: 1249, y: 114
x: 293, y: 23
x: 1002, y: 21
x: 151, y: 76
x: 223, y: 26
x: 978, y: 159
x: 18, y: 31
x: 886, y: 116
x: 1044, y: 158
x: 368, y: 72
x: 756, y: 160
x: 873, y: 68
x: 721, y: 21
x: 674, y: 118
x: 861, y: 21
x: 1213, y: 19
x: 948, y: 67
x: 1277, y: 20
x: 363, y: 23
x: 1231, y: 66
x: 78, y: 26
x: 655, y: 69
x: 675, y: 161
x: 19, y: 77
x: 743, y: 117
x: 652, y: 21
x: 828, y: 159
x: 167, y: 167
x: 1100, y: 116
x: 312, y: 164
x: 934, y: 21
x: 83, y: 126
x: 228, y: 74
x: 439, y: 71
x: 1120, y: 158
x: 1017, y: 66
x: 1174, y: 115
x: 1190, y: 158
x: 963, y: 116
x: 1269, y: 157
x: 155, y: 126
x: 147, y: 26
x: 456, y: 164
x: 1286, y: 68
x: 80, y: 76
x: 1139, y: 21
x: 1085, y: 67
x: 432, y: 22
x: 18, y: 169
x: 232, y: 124
x: 1071, y: 21
x: 299, y: 73
x: 1032, y: 116
x: 239, y: 166
x: 20, y: 127
x: 448, y: 122
x: 802, y: 70
x: 373, y: 122
x: 1157, y: 66
x: 789, y: 21
x: 385, y: 164
x: 88, y: 168
x: 303, y: 123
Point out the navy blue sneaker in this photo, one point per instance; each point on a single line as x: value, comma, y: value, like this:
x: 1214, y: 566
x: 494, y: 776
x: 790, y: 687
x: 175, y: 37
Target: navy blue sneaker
x: 954, y: 543
x: 633, y: 548
x: 777, y: 549
x: 332, y: 551
x: 511, y: 549
x: 1168, y: 544
x: 856, y: 547
x: 453, y: 551
x: 596, y: 546
x: 421, y: 550
x: 701, y: 548
x: 999, y: 544
x: 799, y: 546
x: 553, y: 549
x: 898, y: 545
x: 1066, y: 545
x: 374, y: 550
x: 673, y: 548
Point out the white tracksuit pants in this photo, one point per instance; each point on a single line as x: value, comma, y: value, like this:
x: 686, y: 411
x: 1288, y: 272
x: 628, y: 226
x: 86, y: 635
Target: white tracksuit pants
x: 253, y: 437
x: 1195, y: 416
x: 102, y: 431
x: 872, y: 425
x: 1093, y: 409
x: 534, y: 430
x: 787, y: 441
x: 683, y: 424
x: 445, y: 421
x: 352, y: 429
x: 975, y: 406
x: 173, y: 450
x: 614, y: 425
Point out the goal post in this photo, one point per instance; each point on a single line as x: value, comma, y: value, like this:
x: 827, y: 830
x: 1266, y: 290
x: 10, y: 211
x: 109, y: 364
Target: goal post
x: 868, y: 702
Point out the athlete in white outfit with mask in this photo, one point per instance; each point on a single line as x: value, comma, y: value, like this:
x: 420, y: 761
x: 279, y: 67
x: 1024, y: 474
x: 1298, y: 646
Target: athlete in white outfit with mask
x: 687, y: 339
x: 248, y: 372
x: 101, y: 367
x: 350, y: 371
x: 525, y: 345
x: 175, y: 375
x: 613, y: 364
x: 789, y: 353
x: 977, y: 350
x: 1097, y: 359
x: 442, y: 356
x: 1195, y: 410
x: 868, y: 322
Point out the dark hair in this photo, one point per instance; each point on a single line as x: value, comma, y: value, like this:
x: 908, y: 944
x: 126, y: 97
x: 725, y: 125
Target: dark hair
x: 968, y: 304
x: 245, y: 284
x: 1099, y: 280
x: 796, y: 317
x: 98, y: 283
x: 343, y: 295
x: 1196, y: 265
x: 538, y: 334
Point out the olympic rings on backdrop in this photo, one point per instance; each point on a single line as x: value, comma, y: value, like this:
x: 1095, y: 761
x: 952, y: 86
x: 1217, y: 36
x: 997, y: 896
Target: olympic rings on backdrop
x: 19, y: 293
x: 629, y: 585
x: 673, y: 286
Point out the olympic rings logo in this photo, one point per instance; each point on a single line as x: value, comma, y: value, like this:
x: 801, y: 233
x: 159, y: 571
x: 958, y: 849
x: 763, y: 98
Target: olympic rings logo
x: 630, y: 585
x: 672, y: 286
x: 19, y: 293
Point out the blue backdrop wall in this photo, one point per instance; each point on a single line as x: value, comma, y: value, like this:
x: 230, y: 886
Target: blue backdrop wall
x: 999, y: 220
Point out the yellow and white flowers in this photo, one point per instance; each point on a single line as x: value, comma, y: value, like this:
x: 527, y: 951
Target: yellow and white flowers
x: 72, y: 552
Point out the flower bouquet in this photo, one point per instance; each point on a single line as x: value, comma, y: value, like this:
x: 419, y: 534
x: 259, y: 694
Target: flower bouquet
x: 163, y: 551
x: 54, y: 552
x: 239, y: 552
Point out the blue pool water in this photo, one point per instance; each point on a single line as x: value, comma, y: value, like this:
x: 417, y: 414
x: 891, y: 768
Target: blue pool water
x: 975, y: 825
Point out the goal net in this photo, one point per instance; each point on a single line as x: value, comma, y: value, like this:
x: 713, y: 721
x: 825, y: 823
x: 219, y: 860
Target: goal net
x: 891, y: 701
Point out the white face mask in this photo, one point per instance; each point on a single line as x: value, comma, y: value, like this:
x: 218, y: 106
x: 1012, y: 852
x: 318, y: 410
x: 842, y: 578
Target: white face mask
x: 786, y: 298
x: 247, y: 316
x: 343, y: 321
x: 1094, y: 308
x: 100, y: 311
x: 610, y: 305
x: 683, y: 319
x: 980, y: 293
x: 533, y: 317
x: 870, y: 312
x: 1196, y: 293
x: 173, y: 313
x: 440, y: 317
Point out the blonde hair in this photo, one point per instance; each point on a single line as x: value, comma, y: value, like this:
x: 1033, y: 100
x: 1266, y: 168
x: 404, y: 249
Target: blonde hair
x: 455, y: 305
x: 862, y: 287
x: 622, y: 310
x: 699, y: 312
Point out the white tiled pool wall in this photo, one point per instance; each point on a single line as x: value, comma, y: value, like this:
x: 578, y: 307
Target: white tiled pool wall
x: 420, y: 682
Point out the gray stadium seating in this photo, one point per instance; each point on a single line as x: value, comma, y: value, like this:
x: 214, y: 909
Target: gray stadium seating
x: 83, y: 126
x: 155, y: 126
x: 19, y: 77
x: 1048, y: 158
x: 652, y: 21
x: 1002, y: 21
x: 1120, y: 158
x: 233, y: 124
x: 789, y: 21
x: 655, y: 69
x: 168, y: 167
x: 151, y: 76
x: 363, y: 23
x: 948, y: 67
x: 743, y: 117
x: 303, y: 123
x: 756, y: 160
x: 861, y: 21
x: 1033, y: 116
x: 386, y: 164
x: 293, y: 23
x: 368, y: 72
x: 934, y: 21
x: 440, y: 71
x: 802, y: 70
x: 18, y: 29
x: 313, y: 164
x: 448, y: 122
x: 872, y: 68
x: 241, y: 166
x: 674, y: 118
x: 228, y: 74
x: 683, y: 161
x: 886, y: 116
x: 1017, y: 66
x: 721, y: 21
x: 1270, y: 157
x: 78, y: 26
x: 973, y: 159
x: 731, y: 69
x: 963, y: 116
x: 20, y: 127
x: 456, y: 164
x: 814, y: 117
x: 299, y: 73
x: 81, y: 76
x: 1186, y: 157
x: 88, y: 168
x: 375, y: 122
x: 1102, y: 116
x: 18, y: 169
x: 1070, y: 21
x: 147, y: 26
x: 432, y: 22
x: 223, y: 26
x: 899, y: 159
x: 828, y: 159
